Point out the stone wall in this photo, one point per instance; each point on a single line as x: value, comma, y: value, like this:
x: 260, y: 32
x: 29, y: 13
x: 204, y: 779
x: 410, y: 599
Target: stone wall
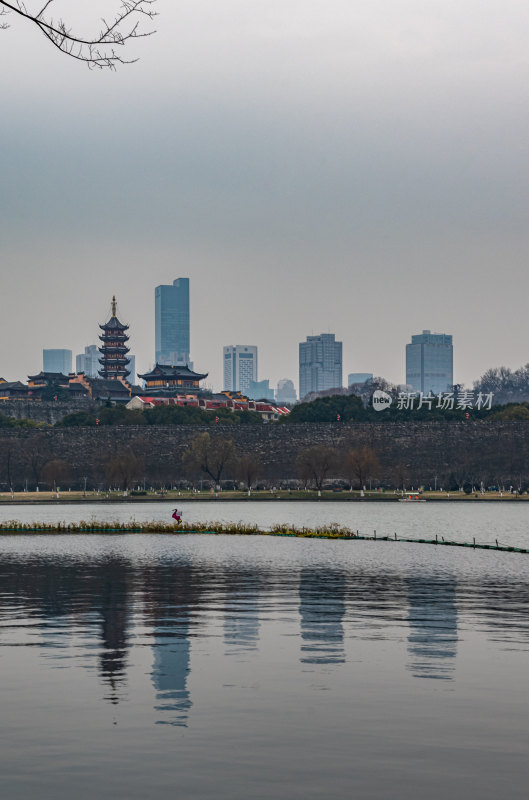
x: 46, y: 410
x: 414, y: 452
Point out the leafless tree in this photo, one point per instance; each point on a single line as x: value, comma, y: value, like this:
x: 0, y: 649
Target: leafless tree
x: 9, y: 456
x: 360, y: 464
x: 315, y: 463
x: 249, y: 468
x: 97, y: 50
x: 209, y: 455
x: 123, y: 469
x: 37, y: 455
x: 55, y: 472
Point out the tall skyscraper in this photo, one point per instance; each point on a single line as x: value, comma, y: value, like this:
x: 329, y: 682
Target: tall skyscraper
x: 171, y: 310
x: 320, y: 364
x: 240, y: 367
x: 57, y: 361
x: 88, y: 362
x: 429, y: 362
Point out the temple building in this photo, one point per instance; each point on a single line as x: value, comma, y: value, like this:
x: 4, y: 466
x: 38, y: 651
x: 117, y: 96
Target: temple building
x: 168, y: 380
x: 114, y: 361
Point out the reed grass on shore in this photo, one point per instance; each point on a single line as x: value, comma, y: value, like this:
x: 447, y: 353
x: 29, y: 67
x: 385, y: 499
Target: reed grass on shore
x: 234, y: 529
x: 132, y: 526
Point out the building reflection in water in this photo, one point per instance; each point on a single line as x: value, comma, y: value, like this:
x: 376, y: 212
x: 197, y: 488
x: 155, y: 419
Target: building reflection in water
x: 432, y: 618
x: 322, y: 608
x: 169, y: 604
x: 241, y: 613
x: 111, y: 597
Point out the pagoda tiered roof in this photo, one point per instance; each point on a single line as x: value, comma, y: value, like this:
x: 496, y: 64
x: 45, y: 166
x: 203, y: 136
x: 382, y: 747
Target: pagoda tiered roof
x: 114, y: 324
x: 114, y: 348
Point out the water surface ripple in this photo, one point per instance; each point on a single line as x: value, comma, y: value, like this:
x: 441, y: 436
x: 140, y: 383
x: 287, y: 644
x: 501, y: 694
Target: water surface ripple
x: 232, y: 667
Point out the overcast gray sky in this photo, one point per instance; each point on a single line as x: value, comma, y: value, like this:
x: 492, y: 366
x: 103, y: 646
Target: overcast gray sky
x: 311, y: 165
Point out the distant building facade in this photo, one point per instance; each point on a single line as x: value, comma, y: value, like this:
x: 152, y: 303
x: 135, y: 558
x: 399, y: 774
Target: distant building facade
x: 260, y: 390
x: 171, y: 313
x: 320, y: 364
x: 286, y: 392
x: 132, y: 369
x: 429, y: 362
x: 240, y: 367
x: 88, y: 362
x: 359, y: 377
x: 57, y: 361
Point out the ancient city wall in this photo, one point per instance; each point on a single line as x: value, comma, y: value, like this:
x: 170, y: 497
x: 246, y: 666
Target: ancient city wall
x: 493, y: 452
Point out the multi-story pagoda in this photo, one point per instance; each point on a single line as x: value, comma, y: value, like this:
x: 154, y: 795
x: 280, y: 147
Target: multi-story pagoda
x: 114, y: 361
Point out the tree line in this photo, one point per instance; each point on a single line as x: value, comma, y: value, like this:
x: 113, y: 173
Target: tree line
x: 212, y: 459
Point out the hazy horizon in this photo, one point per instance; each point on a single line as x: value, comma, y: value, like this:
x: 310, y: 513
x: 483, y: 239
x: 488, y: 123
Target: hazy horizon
x: 311, y: 167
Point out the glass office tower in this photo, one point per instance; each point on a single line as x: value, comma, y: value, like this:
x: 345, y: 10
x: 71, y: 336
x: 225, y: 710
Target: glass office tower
x: 320, y: 364
x: 171, y: 306
x: 57, y: 360
x: 429, y: 362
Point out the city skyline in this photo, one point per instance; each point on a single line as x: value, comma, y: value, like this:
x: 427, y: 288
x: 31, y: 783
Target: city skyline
x: 367, y: 159
x: 222, y: 383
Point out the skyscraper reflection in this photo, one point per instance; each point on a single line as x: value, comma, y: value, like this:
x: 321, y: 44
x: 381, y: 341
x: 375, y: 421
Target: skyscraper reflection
x: 432, y: 618
x: 322, y: 608
x: 241, y: 613
x: 169, y: 602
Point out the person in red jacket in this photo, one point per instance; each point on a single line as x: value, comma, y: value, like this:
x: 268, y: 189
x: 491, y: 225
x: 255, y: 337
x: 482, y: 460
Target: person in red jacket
x: 176, y: 515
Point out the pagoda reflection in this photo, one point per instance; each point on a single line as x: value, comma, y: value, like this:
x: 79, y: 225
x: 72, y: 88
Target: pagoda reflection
x: 432, y: 619
x: 321, y: 609
x: 111, y: 599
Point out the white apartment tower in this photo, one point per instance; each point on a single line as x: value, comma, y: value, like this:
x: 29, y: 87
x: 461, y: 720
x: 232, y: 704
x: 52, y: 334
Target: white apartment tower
x: 240, y: 367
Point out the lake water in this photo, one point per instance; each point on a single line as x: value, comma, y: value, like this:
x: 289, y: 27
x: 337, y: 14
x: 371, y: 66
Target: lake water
x: 146, y: 666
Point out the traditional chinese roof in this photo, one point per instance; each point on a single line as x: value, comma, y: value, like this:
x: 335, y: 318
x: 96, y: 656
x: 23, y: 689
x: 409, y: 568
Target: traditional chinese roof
x: 102, y: 388
x: 114, y: 324
x: 170, y: 372
x: 49, y: 377
x: 15, y: 387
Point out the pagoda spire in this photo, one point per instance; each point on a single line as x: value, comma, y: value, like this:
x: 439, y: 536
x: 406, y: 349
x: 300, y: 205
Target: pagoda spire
x: 114, y: 305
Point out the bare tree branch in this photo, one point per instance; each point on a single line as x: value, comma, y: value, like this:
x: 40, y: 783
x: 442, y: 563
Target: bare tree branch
x: 99, y: 50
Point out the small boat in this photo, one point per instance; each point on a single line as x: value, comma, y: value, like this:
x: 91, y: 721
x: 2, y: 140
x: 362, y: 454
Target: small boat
x: 412, y: 498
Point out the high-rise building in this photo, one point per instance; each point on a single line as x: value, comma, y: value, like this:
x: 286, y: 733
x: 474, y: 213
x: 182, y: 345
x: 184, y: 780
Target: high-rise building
x: 320, y: 364
x: 240, y: 367
x: 88, y: 362
x: 171, y: 310
x: 286, y: 392
x: 359, y: 377
x: 260, y: 390
x: 57, y: 361
x: 132, y: 370
x: 429, y: 362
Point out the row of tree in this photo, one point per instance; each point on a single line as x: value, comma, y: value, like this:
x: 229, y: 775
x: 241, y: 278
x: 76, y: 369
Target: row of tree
x: 212, y: 459
x: 160, y: 415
